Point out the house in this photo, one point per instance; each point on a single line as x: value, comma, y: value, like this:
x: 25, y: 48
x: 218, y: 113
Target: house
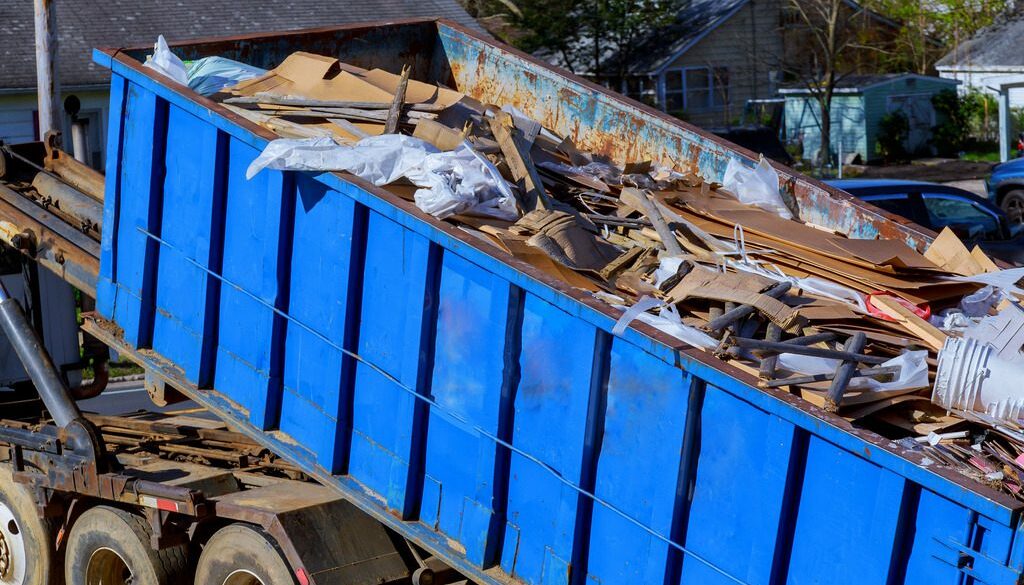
x: 991, y: 58
x: 705, y: 66
x: 719, y: 55
x: 858, y: 106
x: 85, y: 24
x: 992, y: 62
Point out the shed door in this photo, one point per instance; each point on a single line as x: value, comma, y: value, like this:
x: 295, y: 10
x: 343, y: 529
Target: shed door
x: 920, y: 115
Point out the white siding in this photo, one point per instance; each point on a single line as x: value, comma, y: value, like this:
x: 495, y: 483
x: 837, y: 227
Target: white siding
x: 16, y: 120
x: 980, y: 80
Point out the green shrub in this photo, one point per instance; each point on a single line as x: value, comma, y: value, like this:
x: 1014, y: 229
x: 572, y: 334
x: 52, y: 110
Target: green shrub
x: 950, y: 135
x: 893, y: 130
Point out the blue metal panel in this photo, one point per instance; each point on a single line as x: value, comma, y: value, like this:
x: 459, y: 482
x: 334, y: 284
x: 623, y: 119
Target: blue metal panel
x: 853, y: 506
x: 398, y: 306
x: 933, y: 519
x: 191, y: 221
x: 737, y: 512
x: 256, y: 255
x: 106, y: 291
x: 325, y: 273
x: 475, y: 377
x: 139, y: 207
x: 550, y: 422
x: 643, y: 441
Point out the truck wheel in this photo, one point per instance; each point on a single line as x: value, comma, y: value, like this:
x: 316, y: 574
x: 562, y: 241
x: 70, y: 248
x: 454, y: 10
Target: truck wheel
x: 1013, y: 205
x: 242, y: 555
x: 27, y: 555
x: 109, y: 546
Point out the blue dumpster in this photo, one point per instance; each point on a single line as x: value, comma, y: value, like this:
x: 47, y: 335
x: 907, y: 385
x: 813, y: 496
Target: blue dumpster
x: 473, y: 404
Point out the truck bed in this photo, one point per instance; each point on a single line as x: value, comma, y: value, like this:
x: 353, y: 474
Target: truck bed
x: 470, y: 402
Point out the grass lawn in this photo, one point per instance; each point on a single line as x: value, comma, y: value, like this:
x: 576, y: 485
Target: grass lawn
x: 991, y: 156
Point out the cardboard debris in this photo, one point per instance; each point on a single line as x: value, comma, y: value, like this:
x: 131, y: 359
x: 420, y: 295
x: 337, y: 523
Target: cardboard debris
x: 948, y: 252
x: 766, y: 289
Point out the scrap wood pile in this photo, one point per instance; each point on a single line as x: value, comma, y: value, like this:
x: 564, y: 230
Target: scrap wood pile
x: 856, y: 327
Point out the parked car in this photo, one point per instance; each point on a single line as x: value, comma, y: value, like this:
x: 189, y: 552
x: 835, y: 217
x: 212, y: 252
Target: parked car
x: 1006, y: 188
x: 974, y: 219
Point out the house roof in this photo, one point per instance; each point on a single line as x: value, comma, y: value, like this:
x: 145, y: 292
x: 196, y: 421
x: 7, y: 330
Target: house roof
x: 699, y: 18
x: 694, y: 22
x: 993, y: 47
x: 854, y: 84
x: 86, y: 24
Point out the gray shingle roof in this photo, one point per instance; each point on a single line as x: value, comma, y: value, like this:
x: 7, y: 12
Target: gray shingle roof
x: 693, y: 22
x: 86, y: 24
x: 995, y: 46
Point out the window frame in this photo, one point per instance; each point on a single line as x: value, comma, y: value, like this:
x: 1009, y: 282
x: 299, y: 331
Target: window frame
x: 713, y: 100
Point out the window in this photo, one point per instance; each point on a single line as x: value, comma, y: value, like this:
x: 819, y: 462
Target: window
x: 899, y: 205
x: 966, y: 218
x: 674, y: 91
x: 696, y: 88
x: 642, y: 89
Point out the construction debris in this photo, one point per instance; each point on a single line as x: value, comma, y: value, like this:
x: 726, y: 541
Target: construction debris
x: 857, y: 327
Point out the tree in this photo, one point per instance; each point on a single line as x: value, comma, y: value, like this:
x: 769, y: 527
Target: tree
x: 826, y: 41
x: 597, y: 38
x: 929, y: 30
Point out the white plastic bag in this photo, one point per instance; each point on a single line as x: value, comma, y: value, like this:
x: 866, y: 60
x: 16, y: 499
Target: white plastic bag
x: 459, y: 181
x: 668, y: 321
x: 913, y: 370
x: 758, y: 186
x: 164, y: 61
x: 209, y: 75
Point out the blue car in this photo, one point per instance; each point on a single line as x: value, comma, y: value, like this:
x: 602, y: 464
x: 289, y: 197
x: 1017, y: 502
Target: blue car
x: 1006, y: 188
x: 974, y: 219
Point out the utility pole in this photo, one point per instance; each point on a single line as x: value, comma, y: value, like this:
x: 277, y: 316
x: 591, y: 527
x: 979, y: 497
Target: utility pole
x: 47, y: 83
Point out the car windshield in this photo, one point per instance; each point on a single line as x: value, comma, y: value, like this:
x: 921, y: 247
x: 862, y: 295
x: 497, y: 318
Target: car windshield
x: 966, y: 218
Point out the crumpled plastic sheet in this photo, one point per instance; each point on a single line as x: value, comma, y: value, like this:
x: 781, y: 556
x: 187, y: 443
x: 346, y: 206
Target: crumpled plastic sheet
x: 912, y: 364
x: 598, y: 170
x: 813, y: 284
x: 450, y: 183
x: 913, y: 367
x: 164, y: 61
x: 209, y: 75
x: 1004, y: 280
x: 758, y: 186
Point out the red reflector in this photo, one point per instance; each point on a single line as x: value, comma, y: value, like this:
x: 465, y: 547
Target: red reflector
x: 303, y: 577
x: 166, y: 505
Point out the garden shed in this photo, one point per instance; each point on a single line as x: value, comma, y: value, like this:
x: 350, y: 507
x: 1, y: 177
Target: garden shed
x: 859, y: 104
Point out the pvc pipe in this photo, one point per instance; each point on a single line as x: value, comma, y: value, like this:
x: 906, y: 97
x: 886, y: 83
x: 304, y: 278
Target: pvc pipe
x: 971, y: 376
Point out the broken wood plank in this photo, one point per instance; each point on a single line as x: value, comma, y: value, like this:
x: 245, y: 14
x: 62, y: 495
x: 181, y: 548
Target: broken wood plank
x: 395, y: 112
x: 642, y: 200
x: 283, y: 127
x: 924, y: 330
x: 519, y: 162
x: 301, y: 102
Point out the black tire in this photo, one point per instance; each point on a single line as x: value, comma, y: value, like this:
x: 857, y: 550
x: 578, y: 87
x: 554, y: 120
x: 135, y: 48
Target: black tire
x: 107, y: 545
x: 240, y: 554
x: 27, y: 555
x: 1013, y: 205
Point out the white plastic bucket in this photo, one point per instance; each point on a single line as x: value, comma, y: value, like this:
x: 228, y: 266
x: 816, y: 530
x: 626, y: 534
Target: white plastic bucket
x: 970, y: 376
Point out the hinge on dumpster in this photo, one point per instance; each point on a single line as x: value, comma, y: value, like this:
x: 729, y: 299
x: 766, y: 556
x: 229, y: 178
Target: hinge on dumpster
x: 982, y: 568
